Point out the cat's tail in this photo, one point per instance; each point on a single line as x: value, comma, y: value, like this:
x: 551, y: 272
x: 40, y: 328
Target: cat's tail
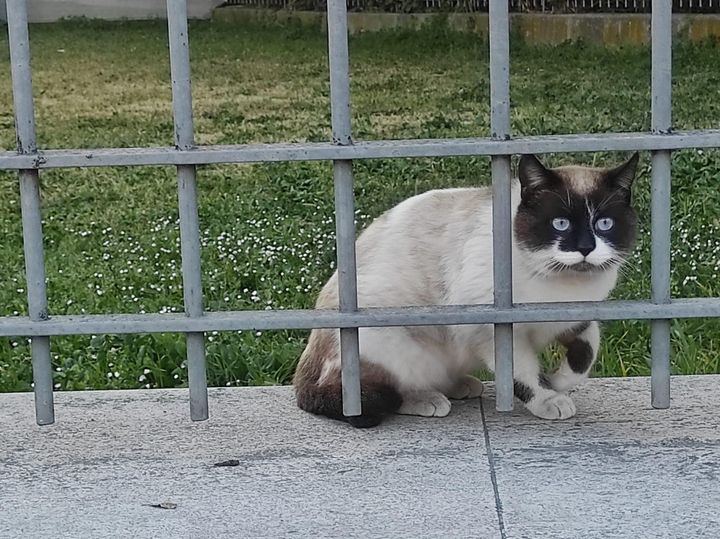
x: 319, y: 391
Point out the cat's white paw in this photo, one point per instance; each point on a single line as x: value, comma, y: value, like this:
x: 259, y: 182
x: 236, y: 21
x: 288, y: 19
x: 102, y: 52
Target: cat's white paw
x: 554, y: 406
x: 425, y: 404
x: 467, y: 387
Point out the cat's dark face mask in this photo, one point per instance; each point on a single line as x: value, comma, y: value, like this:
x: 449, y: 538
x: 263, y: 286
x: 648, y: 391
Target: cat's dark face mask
x: 575, y: 219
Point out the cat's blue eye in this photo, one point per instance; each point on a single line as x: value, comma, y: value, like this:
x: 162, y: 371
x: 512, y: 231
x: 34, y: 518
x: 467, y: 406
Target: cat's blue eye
x: 604, y: 224
x: 561, y: 224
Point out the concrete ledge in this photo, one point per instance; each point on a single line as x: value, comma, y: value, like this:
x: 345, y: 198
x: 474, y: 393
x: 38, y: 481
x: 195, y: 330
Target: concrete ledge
x: 618, y: 469
x: 54, y: 10
x: 535, y: 28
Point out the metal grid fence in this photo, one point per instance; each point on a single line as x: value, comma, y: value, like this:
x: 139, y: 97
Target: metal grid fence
x: 29, y: 161
x: 541, y: 6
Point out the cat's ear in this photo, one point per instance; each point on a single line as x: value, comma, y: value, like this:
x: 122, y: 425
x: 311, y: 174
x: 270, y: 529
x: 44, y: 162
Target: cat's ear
x: 534, y: 176
x: 622, y: 176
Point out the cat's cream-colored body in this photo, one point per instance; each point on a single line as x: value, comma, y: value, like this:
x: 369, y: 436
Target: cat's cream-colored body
x: 436, y: 249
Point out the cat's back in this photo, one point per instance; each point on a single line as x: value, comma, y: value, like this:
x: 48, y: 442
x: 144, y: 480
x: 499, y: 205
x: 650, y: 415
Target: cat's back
x: 405, y: 254
x: 424, y: 223
x: 408, y: 255
x: 436, y: 210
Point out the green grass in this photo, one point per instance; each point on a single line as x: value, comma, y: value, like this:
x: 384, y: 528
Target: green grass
x: 267, y: 229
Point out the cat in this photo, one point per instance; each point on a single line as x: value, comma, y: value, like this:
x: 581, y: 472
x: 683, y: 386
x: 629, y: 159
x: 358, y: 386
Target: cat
x: 573, y: 227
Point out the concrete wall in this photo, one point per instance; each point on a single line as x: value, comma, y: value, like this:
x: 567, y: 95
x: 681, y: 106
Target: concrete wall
x: 610, y: 29
x: 53, y: 10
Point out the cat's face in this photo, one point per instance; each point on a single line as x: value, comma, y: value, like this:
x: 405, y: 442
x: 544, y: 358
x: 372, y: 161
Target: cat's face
x: 575, y: 219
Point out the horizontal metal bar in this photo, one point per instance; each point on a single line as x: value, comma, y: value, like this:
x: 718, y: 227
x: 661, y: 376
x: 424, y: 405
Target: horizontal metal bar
x: 369, y: 317
x: 319, y: 151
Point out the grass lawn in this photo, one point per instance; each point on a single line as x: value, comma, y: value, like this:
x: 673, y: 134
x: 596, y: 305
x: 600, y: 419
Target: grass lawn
x: 111, y: 234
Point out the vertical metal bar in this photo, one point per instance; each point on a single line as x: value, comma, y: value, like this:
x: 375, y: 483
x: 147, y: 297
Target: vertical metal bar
x: 347, y: 285
x: 187, y: 204
x: 660, y: 203
x: 37, y: 296
x: 30, y: 207
x: 502, y: 210
x: 661, y: 66
x: 339, y: 72
x: 344, y: 201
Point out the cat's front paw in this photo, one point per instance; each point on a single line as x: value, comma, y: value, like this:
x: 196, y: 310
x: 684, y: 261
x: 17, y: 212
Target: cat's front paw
x: 467, y: 387
x: 553, y: 406
x: 425, y: 404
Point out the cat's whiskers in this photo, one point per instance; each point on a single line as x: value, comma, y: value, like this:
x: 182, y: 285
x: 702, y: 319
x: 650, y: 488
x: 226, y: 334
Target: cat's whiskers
x: 554, y: 267
x: 540, y: 269
x: 624, y: 272
x: 626, y: 266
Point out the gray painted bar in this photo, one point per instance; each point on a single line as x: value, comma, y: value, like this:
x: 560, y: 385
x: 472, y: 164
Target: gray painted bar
x: 661, y: 201
x: 30, y: 207
x: 344, y: 202
x: 187, y: 204
x: 323, y: 151
x: 363, y: 317
x: 502, y: 210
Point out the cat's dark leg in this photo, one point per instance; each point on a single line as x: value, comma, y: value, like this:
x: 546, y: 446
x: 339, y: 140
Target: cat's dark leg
x: 531, y: 386
x: 534, y: 389
x: 318, y: 386
x: 582, y: 347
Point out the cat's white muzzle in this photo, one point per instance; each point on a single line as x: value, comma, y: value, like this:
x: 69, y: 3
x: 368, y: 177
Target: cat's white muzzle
x: 597, y: 259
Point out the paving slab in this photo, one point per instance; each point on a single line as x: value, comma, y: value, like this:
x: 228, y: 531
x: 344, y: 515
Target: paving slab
x: 618, y: 469
x: 112, y: 455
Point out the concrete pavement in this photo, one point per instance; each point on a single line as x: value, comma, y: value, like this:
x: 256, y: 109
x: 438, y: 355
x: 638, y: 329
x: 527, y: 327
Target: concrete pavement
x: 617, y: 469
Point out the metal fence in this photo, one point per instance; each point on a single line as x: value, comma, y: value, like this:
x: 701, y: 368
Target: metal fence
x: 29, y: 161
x: 541, y: 6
